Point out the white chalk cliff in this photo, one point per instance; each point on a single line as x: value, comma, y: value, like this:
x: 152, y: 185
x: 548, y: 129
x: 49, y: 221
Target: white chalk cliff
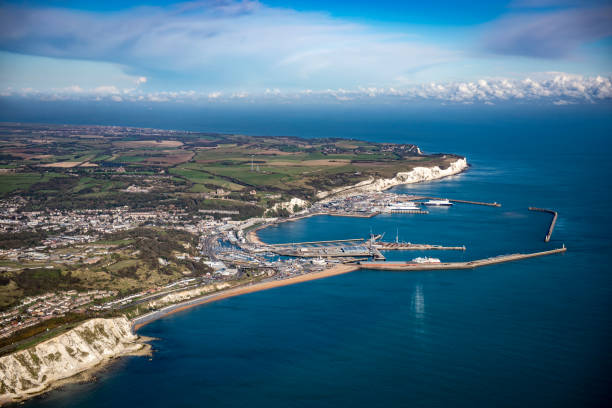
x: 290, y: 205
x: 41, y: 367
x: 416, y: 175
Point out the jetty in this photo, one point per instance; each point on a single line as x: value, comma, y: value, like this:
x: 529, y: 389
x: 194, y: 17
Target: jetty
x: 413, y: 266
x: 552, y: 222
x: 335, y: 241
x: 407, y: 246
x: 494, y: 204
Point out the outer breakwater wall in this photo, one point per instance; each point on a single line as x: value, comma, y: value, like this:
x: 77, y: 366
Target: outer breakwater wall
x: 408, y: 266
x: 552, y: 222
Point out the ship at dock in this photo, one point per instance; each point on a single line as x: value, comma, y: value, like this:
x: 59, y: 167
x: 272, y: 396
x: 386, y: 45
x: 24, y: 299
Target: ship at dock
x: 442, y: 202
x: 426, y: 260
x: 404, y: 208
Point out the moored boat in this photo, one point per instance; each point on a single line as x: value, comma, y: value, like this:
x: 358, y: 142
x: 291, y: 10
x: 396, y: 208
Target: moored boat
x: 425, y: 260
x: 444, y: 202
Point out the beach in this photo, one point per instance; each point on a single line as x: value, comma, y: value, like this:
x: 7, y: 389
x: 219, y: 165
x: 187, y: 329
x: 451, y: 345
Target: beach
x: 333, y: 271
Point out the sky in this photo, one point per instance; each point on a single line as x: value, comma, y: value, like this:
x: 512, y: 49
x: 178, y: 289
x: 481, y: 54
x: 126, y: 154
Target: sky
x: 557, y: 52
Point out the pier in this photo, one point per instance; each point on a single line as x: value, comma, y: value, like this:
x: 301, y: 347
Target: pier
x: 495, y: 204
x: 342, y: 248
x: 407, y: 246
x: 552, y: 222
x: 408, y: 212
x: 336, y: 241
x: 412, y: 266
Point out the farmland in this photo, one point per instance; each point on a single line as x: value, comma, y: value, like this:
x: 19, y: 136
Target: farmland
x: 96, y: 166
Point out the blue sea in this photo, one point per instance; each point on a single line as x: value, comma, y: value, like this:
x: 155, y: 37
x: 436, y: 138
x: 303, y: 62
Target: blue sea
x: 534, y: 333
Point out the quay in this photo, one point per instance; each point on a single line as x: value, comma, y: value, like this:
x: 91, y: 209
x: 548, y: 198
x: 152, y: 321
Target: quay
x: 352, y: 214
x: 552, y: 222
x: 407, y: 246
x: 341, y: 248
x: 336, y: 241
x: 408, y: 212
x: 412, y: 266
x: 495, y: 204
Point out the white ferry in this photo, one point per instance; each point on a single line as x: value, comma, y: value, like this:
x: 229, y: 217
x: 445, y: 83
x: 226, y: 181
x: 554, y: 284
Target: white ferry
x: 445, y: 202
x: 399, y: 207
x: 425, y: 260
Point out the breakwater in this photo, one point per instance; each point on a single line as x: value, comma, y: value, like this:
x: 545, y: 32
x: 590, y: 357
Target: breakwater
x: 412, y: 266
x: 406, y: 246
x: 552, y: 222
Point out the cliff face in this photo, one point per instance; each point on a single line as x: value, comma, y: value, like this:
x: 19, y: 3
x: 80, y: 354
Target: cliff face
x: 416, y: 175
x: 290, y: 205
x: 39, y: 368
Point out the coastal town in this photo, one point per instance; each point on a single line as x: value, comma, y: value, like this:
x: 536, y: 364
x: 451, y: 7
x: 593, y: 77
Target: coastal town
x: 228, y: 247
x: 162, y: 221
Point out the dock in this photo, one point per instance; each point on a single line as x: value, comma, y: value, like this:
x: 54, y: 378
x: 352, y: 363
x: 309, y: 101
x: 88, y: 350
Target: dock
x: 495, y: 204
x: 336, y: 241
x: 342, y: 248
x: 412, y: 266
x: 353, y: 214
x: 408, y: 212
x: 407, y: 246
x: 552, y: 222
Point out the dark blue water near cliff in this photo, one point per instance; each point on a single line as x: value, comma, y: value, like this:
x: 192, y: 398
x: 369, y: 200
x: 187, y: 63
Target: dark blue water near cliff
x: 531, y: 333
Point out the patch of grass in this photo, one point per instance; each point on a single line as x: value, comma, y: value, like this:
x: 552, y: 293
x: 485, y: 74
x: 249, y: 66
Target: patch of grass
x: 126, y: 263
x: 10, y: 182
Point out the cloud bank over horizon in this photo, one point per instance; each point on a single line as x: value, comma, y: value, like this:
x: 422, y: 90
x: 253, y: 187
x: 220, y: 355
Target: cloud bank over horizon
x: 556, y: 88
x: 224, y: 50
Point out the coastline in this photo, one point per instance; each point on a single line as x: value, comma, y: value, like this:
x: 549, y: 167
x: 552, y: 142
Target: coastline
x: 72, y: 357
x: 333, y: 271
x: 85, y: 371
x: 416, y: 175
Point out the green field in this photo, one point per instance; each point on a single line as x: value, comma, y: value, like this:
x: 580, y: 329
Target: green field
x: 21, y: 181
x: 199, y: 164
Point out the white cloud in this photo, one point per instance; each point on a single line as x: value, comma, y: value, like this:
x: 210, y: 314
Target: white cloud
x: 106, y: 89
x: 227, y: 43
x: 556, y: 88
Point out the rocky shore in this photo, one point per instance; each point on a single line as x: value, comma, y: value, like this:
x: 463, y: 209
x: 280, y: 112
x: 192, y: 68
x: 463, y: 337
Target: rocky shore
x: 67, y: 358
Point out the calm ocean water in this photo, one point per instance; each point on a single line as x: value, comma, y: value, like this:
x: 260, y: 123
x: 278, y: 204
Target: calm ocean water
x: 531, y: 333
